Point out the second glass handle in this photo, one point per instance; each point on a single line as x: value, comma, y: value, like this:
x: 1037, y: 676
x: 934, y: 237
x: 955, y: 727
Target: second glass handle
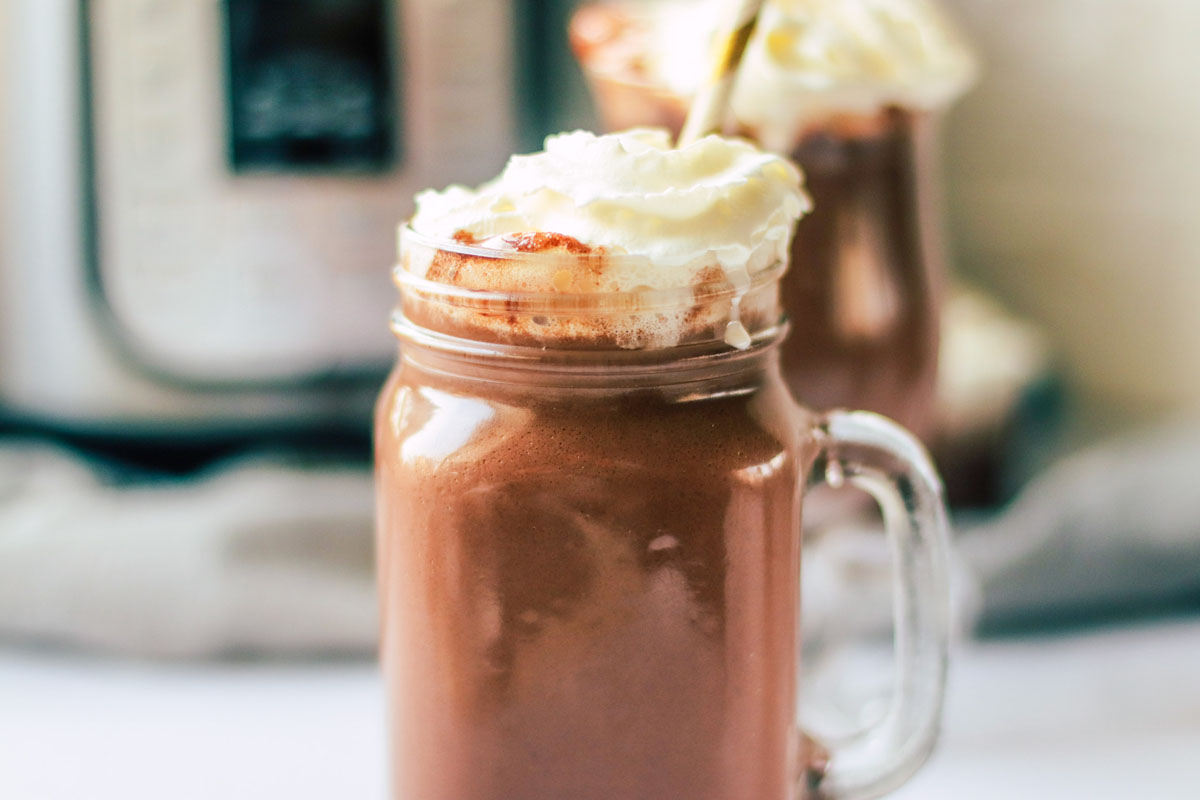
x: 873, y: 454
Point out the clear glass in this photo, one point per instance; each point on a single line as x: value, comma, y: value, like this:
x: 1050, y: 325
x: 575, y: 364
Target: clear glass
x: 868, y: 263
x: 589, y: 557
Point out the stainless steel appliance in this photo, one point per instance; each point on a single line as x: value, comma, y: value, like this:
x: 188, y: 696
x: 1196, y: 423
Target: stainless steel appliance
x: 198, y: 197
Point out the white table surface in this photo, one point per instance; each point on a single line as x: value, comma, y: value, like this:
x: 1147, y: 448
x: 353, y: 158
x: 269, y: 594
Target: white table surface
x: 1105, y: 715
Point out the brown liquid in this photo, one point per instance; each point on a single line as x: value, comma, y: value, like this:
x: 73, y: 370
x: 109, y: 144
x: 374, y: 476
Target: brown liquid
x: 863, y: 291
x: 589, y: 594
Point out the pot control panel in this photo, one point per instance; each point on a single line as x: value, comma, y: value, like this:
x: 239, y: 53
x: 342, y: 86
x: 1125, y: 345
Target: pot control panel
x: 251, y: 160
x: 310, y: 85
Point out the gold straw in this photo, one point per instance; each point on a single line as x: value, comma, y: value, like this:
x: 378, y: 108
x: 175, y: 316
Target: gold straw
x: 712, y: 101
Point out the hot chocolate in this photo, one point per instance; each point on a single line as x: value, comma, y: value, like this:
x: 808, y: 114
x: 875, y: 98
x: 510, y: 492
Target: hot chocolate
x: 589, y: 474
x: 590, y: 582
x: 849, y: 90
x: 863, y: 296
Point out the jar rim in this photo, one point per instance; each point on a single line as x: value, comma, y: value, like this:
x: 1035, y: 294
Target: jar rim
x: 692, y: 364
x: 701, y: 350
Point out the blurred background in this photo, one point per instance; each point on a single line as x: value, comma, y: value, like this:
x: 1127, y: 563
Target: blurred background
x: 198, y: 203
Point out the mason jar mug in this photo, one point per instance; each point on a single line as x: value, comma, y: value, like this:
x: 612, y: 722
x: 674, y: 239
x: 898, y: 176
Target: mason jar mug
x: 589, y: 511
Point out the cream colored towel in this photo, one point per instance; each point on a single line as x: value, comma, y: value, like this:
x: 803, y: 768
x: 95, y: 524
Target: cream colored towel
x: 263, y: 555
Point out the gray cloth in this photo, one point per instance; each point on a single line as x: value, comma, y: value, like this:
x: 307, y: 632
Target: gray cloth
x: 260, y: 556
x: 1116, y: 526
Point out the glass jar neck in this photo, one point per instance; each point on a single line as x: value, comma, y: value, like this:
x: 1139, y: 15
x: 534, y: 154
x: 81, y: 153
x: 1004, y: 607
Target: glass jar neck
x: 693, y: 369
x: 562, y: 319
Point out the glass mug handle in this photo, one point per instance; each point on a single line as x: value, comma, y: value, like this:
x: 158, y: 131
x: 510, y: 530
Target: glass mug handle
x: 881, y: 458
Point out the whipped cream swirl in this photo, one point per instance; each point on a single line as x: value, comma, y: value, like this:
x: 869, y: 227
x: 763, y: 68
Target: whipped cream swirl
x: 807, y: 60
x: 718, y: 202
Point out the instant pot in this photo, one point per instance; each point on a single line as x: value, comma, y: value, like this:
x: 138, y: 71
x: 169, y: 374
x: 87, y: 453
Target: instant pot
x: 198, y: 198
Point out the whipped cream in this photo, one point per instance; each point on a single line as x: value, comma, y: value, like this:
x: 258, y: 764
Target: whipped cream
x: 808, y: 59
x: 719, y: 202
